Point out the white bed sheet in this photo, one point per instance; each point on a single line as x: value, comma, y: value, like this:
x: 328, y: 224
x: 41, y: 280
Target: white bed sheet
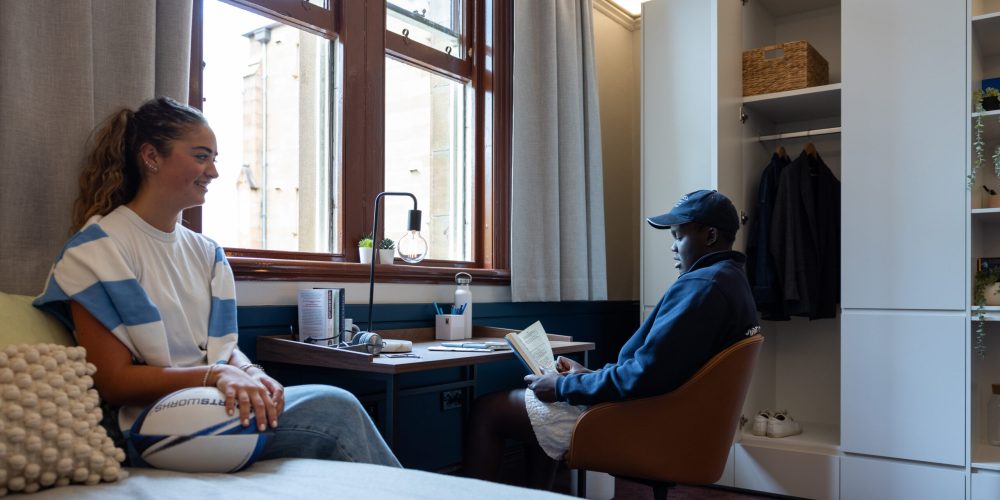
x: 297, y: 478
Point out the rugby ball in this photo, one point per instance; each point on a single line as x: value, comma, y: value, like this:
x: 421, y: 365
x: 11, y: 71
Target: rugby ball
x: 189, y: 431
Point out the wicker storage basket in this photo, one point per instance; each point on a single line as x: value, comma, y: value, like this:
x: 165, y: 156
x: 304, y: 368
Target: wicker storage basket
x: 797, y: 66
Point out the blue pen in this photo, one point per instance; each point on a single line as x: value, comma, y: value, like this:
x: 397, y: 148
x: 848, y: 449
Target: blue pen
x: 437, y: 308
x: 462, y: 308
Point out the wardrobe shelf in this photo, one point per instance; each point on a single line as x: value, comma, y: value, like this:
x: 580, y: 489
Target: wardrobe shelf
x: 986, y: 457
x: 986, y: 31
x: 796, y: 105
x: 816, y: 437
x: 992, y: 313
x: 986, y: 215
x: 782, y: 8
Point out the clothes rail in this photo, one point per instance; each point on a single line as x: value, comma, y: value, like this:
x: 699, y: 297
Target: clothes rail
x: 804, y: 133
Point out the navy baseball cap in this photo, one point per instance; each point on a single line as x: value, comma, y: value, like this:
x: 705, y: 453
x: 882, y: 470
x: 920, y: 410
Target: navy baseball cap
x: 708, y: 207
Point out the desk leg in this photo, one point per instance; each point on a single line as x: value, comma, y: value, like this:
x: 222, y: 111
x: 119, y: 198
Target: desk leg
x: 391, y: 400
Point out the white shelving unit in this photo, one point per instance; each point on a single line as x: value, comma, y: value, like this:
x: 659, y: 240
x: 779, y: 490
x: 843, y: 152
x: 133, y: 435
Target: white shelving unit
x: 984, y: 241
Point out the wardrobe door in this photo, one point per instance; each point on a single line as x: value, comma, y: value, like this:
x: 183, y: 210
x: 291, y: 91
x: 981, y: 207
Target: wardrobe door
x: 903, y: 385
x: 690, y: 95
x: 904, y: 151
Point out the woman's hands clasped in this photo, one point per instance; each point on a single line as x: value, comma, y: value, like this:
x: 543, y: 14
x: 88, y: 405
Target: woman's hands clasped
x: 251, y: 389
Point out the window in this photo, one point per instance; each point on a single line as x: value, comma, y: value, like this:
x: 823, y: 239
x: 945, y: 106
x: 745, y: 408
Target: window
x: 268, y: 89
x: 320, y: 106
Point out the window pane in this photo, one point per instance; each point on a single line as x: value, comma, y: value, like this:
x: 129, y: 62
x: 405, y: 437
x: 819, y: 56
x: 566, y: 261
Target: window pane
x: 428, y: 152
x: 434, y: 23
x: 272, y: 100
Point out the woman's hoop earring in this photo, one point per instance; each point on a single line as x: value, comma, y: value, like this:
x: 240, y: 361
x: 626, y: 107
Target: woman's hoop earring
x: 152, y: 168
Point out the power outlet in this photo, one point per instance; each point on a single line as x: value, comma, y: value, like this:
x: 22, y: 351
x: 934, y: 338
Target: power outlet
x: 451, y: 399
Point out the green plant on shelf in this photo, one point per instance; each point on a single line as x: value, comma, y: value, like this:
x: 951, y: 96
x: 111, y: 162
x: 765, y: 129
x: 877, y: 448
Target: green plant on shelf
x: 386, y: 244
x: 365, y: 242
x: 984, y: 279
x: 978, y: 144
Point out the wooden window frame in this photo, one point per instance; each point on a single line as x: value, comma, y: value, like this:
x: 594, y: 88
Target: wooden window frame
x: 365, y: 46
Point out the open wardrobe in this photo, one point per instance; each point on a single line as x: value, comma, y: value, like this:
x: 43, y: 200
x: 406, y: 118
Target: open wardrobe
x: 856, y: 220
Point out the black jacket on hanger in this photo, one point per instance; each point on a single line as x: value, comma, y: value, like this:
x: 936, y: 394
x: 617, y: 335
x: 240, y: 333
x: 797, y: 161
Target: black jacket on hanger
x: 760, y: 265
x: 805, y: 238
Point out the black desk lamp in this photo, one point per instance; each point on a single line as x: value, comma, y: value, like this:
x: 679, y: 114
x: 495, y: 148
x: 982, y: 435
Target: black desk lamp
x: 412, y: 248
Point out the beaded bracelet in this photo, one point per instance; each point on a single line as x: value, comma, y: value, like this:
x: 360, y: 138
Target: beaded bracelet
x: 252, y: 365
x: 204, y: 381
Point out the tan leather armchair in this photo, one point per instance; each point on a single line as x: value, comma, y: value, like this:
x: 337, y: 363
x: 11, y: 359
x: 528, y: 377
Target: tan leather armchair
x: 680, y: 437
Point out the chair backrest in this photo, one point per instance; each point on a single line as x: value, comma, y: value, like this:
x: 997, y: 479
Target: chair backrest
x: 683, y: 436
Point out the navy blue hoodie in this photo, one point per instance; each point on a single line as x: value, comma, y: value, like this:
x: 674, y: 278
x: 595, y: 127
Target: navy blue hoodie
x: 707, y: 309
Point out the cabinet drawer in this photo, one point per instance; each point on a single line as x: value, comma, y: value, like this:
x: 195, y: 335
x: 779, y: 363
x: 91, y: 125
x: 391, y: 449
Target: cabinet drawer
x: 787, y: 472
x: 903, y: 385
x: 864, y: 478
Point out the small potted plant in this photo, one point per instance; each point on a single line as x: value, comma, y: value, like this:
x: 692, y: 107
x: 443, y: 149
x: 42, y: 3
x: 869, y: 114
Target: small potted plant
x: 991, y: 99
x: 365, y: 250
x: 985, y: 292
x: 386, y: 251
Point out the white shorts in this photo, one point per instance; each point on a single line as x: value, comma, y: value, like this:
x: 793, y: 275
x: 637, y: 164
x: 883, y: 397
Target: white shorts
x: 553, y: 423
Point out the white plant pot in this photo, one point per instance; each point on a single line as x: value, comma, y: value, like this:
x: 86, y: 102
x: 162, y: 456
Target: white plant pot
x: 386, y: 255
x: 364, y: 255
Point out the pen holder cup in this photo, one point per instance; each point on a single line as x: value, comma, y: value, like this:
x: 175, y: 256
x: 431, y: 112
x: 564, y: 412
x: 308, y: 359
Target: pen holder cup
x: 449, y: 327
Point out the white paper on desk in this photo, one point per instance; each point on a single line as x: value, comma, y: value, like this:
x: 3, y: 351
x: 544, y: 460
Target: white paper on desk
x: 319, y: 314
x: 460, y: 349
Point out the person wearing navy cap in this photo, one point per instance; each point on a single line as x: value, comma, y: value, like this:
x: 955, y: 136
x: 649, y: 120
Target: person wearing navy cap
x: 707, y: 309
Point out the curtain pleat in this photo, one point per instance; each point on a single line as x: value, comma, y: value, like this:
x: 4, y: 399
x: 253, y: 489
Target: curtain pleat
x: 65, y: 66
x: 557, y: 192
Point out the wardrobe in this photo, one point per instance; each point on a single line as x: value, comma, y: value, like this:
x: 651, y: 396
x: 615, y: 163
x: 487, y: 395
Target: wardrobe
x: 889, y: 394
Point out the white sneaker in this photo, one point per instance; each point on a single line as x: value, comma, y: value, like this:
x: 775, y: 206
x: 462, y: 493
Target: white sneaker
x: 759, y: 427
x: 781, y: 425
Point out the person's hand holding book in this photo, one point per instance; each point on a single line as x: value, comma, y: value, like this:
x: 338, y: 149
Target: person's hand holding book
x: 544, y: 385
x: 566, y: 365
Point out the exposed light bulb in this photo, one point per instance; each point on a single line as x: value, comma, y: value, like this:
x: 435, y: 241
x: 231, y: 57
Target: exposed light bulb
x: 412, y: 247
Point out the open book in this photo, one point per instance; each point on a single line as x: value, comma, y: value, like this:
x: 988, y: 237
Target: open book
x: 532, y: 347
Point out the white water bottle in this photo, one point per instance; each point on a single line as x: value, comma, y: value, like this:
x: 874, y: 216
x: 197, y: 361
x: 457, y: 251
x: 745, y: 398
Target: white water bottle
x: 463, y: 298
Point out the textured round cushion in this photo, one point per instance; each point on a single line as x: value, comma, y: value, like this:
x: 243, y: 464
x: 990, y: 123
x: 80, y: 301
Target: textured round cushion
x: 50, y: 432
x: 190, y: 431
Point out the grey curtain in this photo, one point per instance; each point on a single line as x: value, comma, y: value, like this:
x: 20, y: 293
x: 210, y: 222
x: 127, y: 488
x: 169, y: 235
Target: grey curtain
x: 557, y: 191
x: 64, y: 66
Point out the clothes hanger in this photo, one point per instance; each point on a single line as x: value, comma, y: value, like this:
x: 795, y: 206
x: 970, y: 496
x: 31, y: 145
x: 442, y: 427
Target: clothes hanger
x: 810, y: 150
x: 780, y: 151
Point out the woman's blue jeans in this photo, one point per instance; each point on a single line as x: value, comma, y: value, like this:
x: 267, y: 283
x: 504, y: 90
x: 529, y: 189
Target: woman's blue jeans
x: 326, y: 422
x: 320, y: 421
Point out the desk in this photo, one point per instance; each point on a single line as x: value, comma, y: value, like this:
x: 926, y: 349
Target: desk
x: 282, y: 349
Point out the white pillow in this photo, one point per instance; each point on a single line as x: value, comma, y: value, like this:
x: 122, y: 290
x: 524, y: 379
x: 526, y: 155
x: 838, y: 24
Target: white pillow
x: 50, y: 432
